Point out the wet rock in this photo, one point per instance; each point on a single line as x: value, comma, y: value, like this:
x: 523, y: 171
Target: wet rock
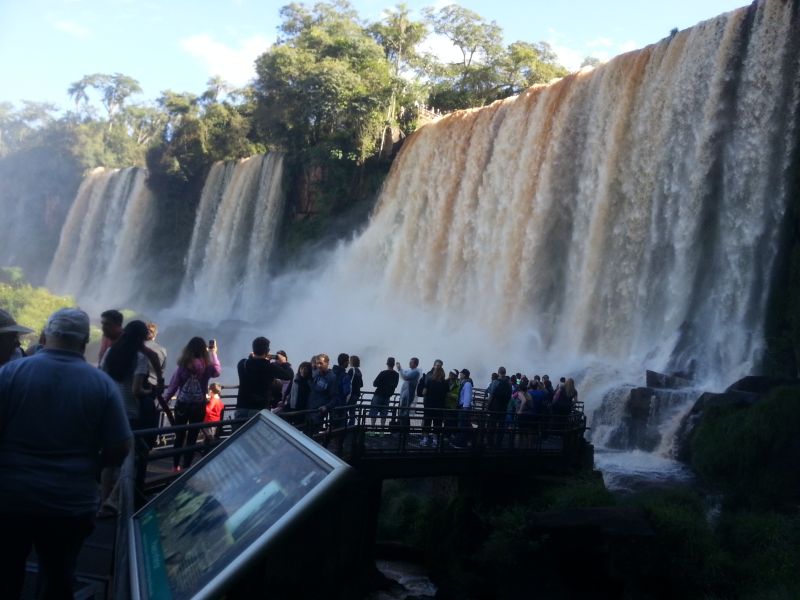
x: 637, y: 422
x: 663, y: 381
x: 759, y: 384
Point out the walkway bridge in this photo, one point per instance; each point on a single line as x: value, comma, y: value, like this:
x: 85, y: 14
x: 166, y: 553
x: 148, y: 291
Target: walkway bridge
x: 474, y: 442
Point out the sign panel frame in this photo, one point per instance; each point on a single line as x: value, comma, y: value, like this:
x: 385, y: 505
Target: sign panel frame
x: 250, y: 517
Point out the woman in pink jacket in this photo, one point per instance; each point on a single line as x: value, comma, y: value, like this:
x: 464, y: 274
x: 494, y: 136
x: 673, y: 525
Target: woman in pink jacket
x: 197, y: 364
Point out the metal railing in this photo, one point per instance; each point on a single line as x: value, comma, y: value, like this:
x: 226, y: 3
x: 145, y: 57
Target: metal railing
x: 361, y: 431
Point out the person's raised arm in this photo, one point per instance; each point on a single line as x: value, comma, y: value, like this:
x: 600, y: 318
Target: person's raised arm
x: 214, y: 369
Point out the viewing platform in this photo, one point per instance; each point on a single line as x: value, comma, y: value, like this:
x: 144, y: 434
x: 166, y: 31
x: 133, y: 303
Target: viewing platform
x: 482, y: 444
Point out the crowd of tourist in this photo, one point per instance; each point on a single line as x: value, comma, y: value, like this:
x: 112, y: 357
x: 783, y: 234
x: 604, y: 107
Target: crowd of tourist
x: 66, y: 426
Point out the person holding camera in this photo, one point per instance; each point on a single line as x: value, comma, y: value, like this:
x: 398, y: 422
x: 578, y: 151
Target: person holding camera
x: 256, y: 376
x: 197, y: 364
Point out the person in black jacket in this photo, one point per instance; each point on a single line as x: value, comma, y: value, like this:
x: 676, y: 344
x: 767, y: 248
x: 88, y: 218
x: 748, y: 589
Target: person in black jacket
x: 356, y: 383
x: 385, y: 385
x: 256, y: 375
x: 434, y: 394
x: 497, y: 406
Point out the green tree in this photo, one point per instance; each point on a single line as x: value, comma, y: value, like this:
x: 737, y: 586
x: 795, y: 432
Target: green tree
x: 526, y: 64
x: 399, y: 37
x: 487, y: 71
x: 19, y: 127
x: 114, y: 91
x: 325, y: 85
x: 590, y: 61
x: 200, y: 130
x: 477, y: 39
x: 472, y: 81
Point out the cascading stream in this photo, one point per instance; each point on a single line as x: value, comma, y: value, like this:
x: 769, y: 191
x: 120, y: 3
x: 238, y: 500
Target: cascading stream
x: 103, y: 256
x: 234, y: 233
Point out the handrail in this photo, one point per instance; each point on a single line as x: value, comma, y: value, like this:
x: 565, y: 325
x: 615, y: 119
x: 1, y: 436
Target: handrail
x: 478, y: 429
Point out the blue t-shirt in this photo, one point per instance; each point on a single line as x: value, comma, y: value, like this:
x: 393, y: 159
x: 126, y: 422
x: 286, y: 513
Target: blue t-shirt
x: 56, y: 413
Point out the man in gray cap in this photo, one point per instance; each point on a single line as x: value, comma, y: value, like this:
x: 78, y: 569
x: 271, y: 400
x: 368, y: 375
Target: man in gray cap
x: 9, y: 336
x: 61, y: 420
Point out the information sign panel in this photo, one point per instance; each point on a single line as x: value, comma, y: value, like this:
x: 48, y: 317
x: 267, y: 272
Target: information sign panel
x: 194, y: 536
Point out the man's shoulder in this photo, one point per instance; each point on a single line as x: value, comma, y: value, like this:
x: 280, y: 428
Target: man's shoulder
x: 245, y: 366
x: 68, y: 367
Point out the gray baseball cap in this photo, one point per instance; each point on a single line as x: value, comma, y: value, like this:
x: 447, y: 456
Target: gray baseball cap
x: 68, y: 322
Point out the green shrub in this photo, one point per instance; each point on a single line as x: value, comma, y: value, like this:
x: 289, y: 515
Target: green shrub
x: 579, y: 492
x: 766, y: 547
x: 685, y: 559
x: 752, y: 452
x: 31, y: 306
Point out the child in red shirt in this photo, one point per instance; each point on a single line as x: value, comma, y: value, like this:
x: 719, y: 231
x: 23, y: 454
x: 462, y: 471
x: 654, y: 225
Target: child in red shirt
x: 214, y: 408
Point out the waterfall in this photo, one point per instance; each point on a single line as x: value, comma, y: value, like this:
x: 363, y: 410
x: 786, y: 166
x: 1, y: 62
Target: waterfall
x: 234, y: 233
x: 621, y: 218
x: 102, y: 256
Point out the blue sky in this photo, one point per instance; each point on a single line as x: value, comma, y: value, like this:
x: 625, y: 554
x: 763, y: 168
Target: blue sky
x: 178, y: 44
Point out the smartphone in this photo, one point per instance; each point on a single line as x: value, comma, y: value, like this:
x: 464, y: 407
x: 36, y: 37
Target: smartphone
x: 212, y: 343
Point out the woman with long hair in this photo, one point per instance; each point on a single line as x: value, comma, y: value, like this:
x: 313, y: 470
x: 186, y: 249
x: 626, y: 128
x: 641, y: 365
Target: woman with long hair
x: 299, y: 392
x: 434, y: 394
x: 196, y: 365
x: 565, y: 398
x: 126, y: 363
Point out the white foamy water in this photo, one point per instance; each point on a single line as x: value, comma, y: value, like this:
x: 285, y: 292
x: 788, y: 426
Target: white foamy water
x: 628, y: 471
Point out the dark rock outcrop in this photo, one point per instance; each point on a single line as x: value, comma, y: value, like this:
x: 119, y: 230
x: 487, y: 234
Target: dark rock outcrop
x: 663, y: 381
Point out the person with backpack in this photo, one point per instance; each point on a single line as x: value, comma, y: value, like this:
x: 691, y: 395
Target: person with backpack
x: 196, y: 365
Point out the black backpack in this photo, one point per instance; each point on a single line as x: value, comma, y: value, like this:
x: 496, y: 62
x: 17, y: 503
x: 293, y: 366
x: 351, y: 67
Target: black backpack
x: 421, y: 385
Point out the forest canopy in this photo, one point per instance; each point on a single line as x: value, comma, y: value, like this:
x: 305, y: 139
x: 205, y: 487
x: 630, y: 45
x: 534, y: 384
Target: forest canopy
x: 328, y: 89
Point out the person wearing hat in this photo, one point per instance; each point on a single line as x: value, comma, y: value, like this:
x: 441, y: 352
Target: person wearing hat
x: 61, y: 420
x: 9, y: 336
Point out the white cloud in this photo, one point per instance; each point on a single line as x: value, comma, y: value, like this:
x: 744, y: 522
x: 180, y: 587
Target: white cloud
x: 442, y: 48
x: 602, y: 48
x: 234, y: 65
x: 72, y: 28
x: 602, y: 42
x: 569, y: 57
